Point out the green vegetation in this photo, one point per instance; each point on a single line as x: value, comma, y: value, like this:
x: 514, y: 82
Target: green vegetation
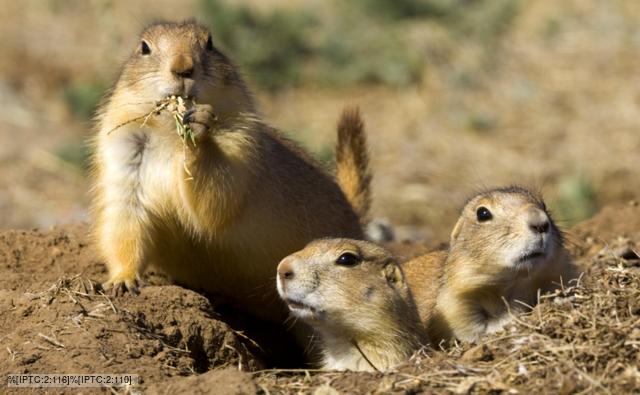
x: 482, y: 123
x: 364, y: 41
x: 552, y: 29
x: 326, y: 155
x: 272, y: 48
x: 485, y: 20
x: 77, y: 154
x: 83, y: 98
x: 478, y: 19
x: 284, y: 48
x: 356, y: 51
x: 407, y: 9
x: 576, y: 200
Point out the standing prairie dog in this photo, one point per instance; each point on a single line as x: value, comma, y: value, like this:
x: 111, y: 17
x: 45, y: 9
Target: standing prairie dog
x: 355, y: 295
x: 504, y: 248
x: 219, y: 215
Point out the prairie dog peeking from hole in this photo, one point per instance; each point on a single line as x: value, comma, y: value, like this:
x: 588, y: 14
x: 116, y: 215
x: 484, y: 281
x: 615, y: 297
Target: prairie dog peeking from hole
x: 503, y: 249
x: 355, y: 295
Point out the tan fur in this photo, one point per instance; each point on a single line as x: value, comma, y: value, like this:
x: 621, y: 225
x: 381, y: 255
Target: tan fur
x: 254, y: 198
x: 366, y: 305
x: 352, y: 162
x: 479, y: 271
x: 423, y: 276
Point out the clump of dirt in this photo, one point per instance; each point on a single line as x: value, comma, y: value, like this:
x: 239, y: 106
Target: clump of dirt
x: 583, y: 338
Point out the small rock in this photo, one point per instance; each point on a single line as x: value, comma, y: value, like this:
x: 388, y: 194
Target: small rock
x: 56, y: 252
x: 477, y: 353
x: 325, y: 389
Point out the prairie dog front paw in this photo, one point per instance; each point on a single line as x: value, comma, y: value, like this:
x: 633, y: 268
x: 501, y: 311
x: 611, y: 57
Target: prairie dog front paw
x: 200, y: 119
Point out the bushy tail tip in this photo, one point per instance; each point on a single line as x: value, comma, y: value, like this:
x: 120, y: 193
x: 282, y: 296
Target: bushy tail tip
x: 352, y: 162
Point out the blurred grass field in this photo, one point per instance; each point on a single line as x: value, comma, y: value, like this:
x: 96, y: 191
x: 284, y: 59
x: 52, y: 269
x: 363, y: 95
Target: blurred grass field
x: 458, y: 95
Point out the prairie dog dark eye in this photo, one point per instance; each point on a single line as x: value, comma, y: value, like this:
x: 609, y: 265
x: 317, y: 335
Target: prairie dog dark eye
x: 348, y: 259
x: 483, y: 214
x: 209, y: 45
x: 144, y: 48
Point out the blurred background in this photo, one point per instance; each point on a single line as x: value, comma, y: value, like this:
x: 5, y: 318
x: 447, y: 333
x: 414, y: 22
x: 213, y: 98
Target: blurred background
x: 458, y: 95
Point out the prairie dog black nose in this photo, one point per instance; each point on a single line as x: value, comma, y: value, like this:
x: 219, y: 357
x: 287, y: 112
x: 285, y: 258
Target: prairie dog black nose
x: 538, y: 221
x: 285, y: 269
x: 182, y: 66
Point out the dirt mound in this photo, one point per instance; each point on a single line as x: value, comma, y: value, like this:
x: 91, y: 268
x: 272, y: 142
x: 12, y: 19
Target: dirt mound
x: 612, y: 227
x: 583, y: 338
x: 164, y: 331
x: 53, y: 319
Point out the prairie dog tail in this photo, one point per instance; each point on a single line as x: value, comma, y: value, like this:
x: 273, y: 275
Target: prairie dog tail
x: 352, y: 162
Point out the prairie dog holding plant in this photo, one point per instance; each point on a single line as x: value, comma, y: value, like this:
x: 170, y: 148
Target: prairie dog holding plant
x: 354, y: 294
x: 504, y: 248
x: 217, y: 215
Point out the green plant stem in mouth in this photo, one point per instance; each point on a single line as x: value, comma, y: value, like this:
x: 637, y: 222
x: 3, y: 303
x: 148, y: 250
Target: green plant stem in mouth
x: 179, y: 107
x: 184, y: 131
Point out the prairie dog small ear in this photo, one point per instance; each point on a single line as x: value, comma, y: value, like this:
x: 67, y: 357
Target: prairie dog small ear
x: 456, y: 230
x: 393, y: 274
